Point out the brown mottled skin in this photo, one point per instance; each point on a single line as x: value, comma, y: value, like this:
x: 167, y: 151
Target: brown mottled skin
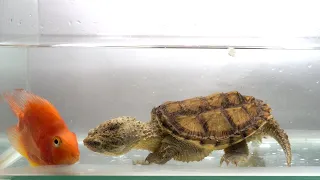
x: 191, y: 129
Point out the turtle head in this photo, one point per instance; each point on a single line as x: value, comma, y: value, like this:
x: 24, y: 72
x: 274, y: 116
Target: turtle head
x: 115, y: 137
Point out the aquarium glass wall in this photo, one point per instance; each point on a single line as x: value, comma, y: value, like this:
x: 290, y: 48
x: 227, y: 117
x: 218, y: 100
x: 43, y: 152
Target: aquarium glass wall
x: 99, y: 60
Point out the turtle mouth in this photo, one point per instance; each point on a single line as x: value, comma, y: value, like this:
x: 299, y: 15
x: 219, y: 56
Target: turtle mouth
x: 92, y: 144
x: 107, y: 153
x: 110, y: 149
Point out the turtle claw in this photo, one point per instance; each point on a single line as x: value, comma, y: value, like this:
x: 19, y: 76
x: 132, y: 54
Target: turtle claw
x: 222, y: 160
x: 140, y: 162
x: 233, y: 158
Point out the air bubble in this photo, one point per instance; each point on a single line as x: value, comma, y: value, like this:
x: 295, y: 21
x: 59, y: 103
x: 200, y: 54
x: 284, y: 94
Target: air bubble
x: 79, y: 22
x: 310, y: 66
x: 231, y: 51
x: 70, y: 23
x: 317, y: 82
x: 209, y: 158
x: 316, y: 159
x: 30, y: 15
x: 90, y: 170
x: 302, y: 159
x: 280, y: 70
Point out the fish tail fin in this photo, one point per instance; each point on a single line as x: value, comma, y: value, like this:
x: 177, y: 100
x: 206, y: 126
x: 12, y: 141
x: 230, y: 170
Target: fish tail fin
x: 14, y: 138
x: 9, y: 157
x: 15, y: 101
x: 33, y: 164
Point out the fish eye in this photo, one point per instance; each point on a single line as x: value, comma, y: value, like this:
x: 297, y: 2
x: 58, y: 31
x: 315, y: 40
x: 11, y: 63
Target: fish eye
x: 56, y: 141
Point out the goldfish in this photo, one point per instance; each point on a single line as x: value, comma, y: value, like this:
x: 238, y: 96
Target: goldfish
x: 41, y: 135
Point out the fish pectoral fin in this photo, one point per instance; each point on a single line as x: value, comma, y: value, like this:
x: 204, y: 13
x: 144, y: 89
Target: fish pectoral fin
x: 14, y: 138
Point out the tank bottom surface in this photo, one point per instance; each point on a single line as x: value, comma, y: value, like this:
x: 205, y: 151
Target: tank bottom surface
x: 266, y: 158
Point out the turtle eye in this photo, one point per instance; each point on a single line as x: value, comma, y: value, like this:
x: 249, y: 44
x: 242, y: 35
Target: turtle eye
x: 113, y: 127
x: 56, y: 141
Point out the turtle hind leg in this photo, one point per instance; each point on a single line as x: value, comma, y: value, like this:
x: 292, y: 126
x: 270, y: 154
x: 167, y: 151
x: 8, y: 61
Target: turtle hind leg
x: 236, y: 153
x: 273, y: 129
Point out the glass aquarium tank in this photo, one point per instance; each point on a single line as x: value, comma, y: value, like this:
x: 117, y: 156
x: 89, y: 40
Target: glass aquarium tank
x: 98, y: 60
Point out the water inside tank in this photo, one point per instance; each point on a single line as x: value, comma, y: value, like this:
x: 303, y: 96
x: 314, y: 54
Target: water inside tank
x: 90, y: 83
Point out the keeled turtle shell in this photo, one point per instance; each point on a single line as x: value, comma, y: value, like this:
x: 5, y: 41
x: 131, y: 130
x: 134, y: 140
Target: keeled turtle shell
x: 214, y: 118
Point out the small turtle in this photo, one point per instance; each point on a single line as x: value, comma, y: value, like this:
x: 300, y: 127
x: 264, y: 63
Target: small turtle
x: 191, y: 129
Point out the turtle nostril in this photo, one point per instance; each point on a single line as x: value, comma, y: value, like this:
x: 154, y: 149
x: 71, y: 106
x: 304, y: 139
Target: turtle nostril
x: 94, y: 143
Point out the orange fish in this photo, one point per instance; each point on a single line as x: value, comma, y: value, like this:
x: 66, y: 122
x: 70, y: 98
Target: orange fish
x: 41, y: 135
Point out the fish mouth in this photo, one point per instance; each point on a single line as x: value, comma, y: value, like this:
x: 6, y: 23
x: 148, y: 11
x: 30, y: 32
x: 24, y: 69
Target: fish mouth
x: 68, y: 161
x: 73, y: 158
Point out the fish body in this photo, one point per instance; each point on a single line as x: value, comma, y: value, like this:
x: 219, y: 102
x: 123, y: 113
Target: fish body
x: 41, y: 135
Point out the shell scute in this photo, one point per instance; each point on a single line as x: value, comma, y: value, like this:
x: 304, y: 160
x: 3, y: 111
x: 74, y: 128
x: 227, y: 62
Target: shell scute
x: 216, y: 117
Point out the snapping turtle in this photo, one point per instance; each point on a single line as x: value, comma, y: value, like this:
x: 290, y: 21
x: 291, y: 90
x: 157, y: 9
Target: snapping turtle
x: 189, y: 130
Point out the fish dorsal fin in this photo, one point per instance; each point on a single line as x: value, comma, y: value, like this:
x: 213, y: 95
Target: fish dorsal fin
x: 20, y: 101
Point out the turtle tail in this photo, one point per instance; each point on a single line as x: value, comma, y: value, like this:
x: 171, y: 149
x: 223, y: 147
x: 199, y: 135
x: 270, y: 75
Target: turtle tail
x: 273, y: 129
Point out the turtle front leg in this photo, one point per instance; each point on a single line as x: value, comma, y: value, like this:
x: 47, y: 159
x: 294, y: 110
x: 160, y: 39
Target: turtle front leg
x: 236, y: 153
x: 161, y: 156
x: 165, y: 154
